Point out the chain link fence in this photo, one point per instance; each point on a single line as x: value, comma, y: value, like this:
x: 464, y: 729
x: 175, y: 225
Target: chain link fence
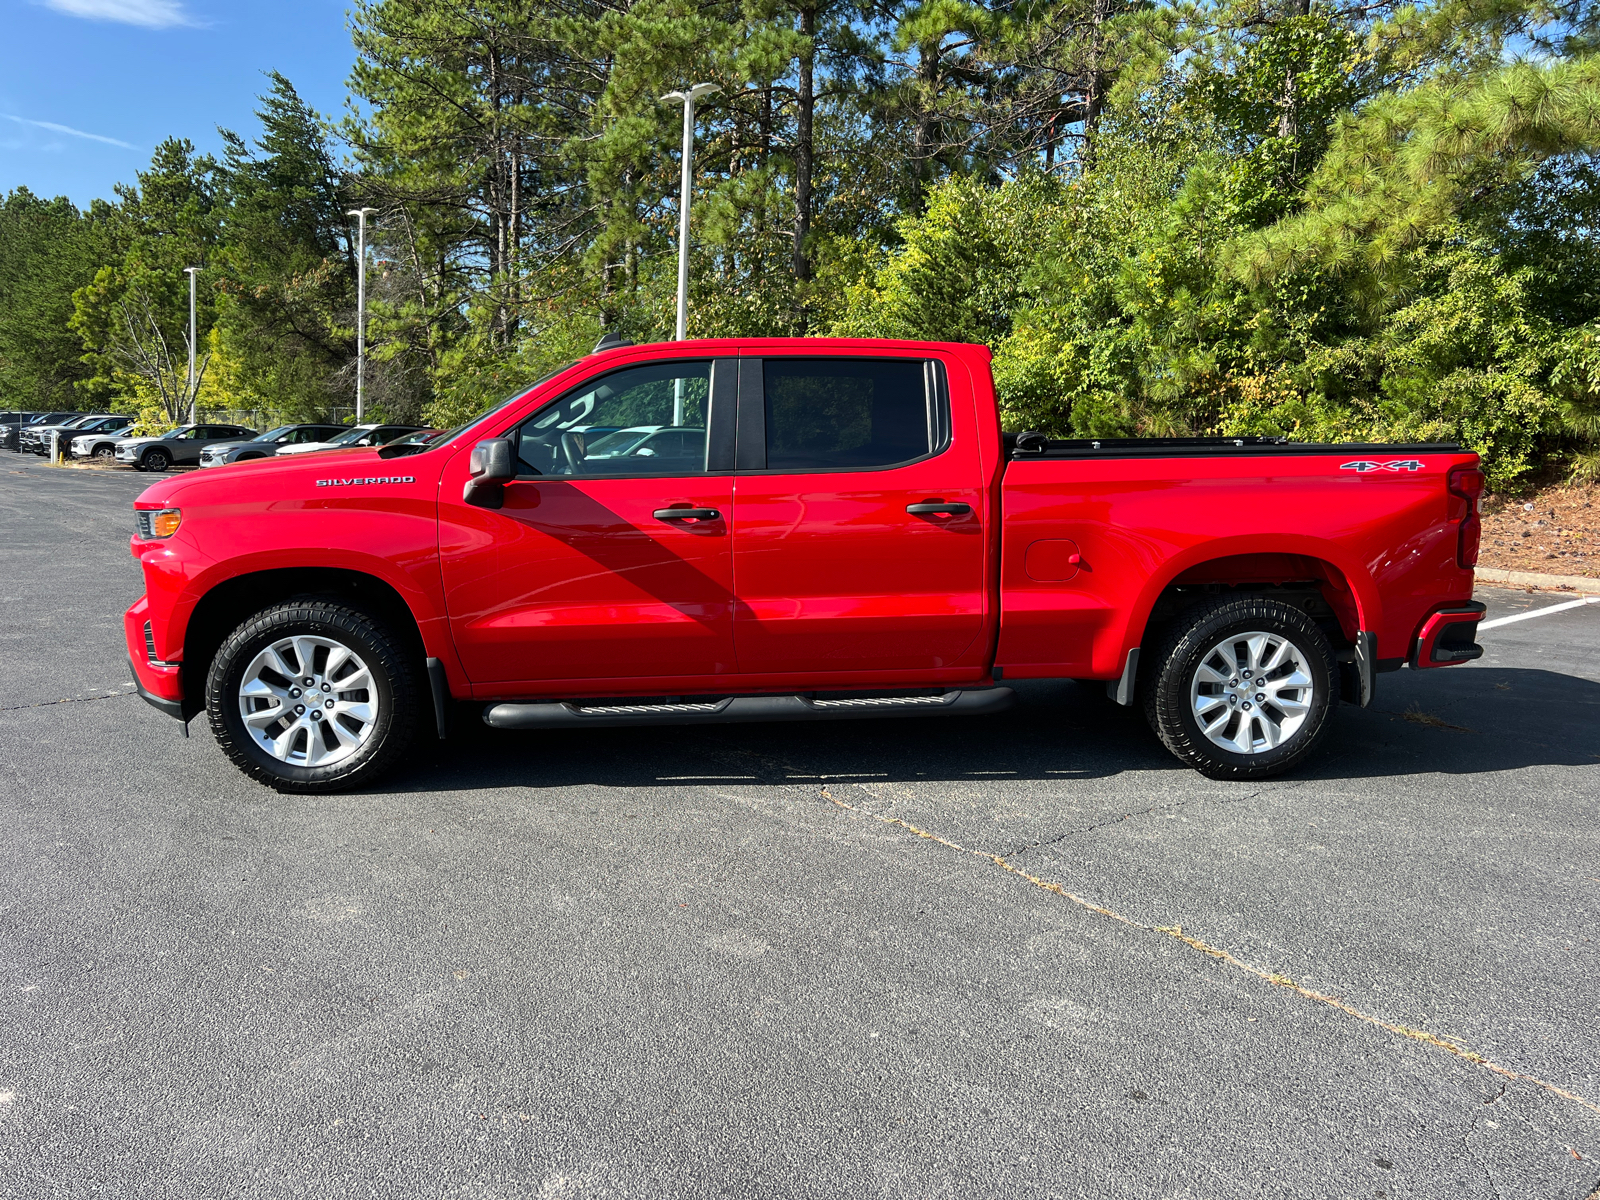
x: 262, y: 419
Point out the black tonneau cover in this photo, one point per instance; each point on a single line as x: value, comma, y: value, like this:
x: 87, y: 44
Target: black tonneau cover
x: 1026, y: 445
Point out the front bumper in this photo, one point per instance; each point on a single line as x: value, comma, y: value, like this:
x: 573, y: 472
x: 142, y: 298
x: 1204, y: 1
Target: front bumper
x: 173, y: 708
x: 159, y: 682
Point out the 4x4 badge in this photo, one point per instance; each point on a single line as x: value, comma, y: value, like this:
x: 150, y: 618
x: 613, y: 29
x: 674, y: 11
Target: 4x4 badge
x: 1398, y: 464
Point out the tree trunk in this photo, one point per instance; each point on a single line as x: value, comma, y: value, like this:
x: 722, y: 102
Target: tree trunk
x: 922, y: 132
x: 803, y: 149
x: 1288, y: 116
x: 1096, y: 81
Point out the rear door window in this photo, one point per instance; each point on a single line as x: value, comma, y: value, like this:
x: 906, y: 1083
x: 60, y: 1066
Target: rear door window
x: 846, y: 413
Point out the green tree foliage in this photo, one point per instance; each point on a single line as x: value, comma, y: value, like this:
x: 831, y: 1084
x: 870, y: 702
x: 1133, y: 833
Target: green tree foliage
x: 133, y: 316
x: 48, y: 250
x: 1370, y: 221
x: 284, y: 268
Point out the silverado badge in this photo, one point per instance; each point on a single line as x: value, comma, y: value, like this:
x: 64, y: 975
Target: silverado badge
x: 368, y: 479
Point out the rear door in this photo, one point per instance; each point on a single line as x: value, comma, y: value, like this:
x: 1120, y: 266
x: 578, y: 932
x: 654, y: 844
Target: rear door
x: 612, y: 568
x: 860, y: 521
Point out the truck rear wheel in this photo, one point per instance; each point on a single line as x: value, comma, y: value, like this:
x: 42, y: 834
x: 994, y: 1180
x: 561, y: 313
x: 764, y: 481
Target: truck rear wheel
x: 313, y: 696
x: 1243, y: 688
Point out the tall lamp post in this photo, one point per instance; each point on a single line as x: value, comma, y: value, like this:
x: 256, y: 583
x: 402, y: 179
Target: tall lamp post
x: 361, y: 309
x: 687, y: 99
x: 191, y: 272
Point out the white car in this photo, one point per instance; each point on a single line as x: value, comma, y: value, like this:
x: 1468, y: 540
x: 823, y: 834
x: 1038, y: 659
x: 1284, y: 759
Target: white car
x: 359, y: 435
x: 100, y: 445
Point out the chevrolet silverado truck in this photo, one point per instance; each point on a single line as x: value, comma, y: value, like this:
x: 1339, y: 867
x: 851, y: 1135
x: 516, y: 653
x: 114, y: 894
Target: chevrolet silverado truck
x: 806, y: 529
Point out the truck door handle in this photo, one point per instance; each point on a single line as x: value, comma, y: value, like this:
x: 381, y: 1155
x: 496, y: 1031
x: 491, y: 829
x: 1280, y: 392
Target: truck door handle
x: 685, y: 514
x: 939, y: 506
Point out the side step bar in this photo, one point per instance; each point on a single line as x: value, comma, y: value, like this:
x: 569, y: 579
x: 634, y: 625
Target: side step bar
x: 740, y: 709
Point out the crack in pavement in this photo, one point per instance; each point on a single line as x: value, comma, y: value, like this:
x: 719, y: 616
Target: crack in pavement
x: 1448, y: 1045
x: 67, y: 700
x: 1143, y: 812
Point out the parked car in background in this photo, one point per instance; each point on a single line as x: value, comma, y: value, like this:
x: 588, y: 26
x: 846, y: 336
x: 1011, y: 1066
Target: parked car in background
x: 12, y: 439
x: 65, y: 433
x: 414, y: 442
x: 266, y: 445
x: 359, y: 435
x: 180, y: 447
x: 36, y: 438
x: 10, y: 425
x: 101, y: 444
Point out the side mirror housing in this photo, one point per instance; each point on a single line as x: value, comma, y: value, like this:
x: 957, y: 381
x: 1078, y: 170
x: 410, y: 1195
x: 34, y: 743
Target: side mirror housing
x: 491, y: 467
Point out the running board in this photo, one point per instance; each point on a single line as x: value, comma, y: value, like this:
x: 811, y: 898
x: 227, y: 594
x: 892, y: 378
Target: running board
x: 738, y: 709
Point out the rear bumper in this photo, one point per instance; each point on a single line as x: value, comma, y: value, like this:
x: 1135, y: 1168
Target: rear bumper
x: 1448, y: 637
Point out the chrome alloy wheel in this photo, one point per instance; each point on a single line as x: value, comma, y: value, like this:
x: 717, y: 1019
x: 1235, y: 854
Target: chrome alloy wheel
x: 309, y: 701
x: 1251, y: 692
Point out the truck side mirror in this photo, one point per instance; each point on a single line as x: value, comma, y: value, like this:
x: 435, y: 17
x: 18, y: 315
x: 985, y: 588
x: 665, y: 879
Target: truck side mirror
x: 490, y: 468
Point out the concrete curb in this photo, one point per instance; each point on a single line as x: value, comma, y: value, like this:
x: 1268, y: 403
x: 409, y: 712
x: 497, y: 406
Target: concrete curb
x: 1573, y: 583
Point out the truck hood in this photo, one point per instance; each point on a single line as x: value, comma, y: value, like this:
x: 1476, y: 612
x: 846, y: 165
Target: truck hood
x: 256, y: 480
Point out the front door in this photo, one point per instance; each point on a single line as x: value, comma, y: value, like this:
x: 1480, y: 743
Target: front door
x: 588, y: 574
x: 859, y: 538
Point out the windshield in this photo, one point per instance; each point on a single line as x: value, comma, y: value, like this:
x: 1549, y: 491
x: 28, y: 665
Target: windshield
x: 350, y: 435
x: 177, y: 433
x: 273, y: 435
x: 448, y: 434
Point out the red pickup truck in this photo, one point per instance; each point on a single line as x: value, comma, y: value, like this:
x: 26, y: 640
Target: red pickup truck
x: 786, y: 529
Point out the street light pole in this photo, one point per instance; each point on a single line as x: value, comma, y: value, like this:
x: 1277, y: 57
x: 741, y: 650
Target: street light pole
x: 192, y: 273
x: 687, y: 99
x: 361, y: 311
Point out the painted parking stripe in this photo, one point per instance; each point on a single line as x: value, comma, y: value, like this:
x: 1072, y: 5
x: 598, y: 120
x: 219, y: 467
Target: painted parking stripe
x: 1538, y: 612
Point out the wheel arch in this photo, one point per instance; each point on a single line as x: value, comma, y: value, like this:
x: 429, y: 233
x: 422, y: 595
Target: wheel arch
x: 220, y: 610
x: 1339, y: 597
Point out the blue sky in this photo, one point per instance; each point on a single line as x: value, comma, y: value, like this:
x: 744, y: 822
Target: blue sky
x: 88, y: 87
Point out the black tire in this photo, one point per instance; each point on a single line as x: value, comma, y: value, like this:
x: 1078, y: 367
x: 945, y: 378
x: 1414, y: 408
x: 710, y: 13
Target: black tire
x: 155, y: 460
x: 106, y: 453
x: 1175, y: 668
x: 396, y: 677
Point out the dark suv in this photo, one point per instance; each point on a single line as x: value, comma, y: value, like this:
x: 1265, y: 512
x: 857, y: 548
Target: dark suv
x: 11, y: 435
x: 67, y: 430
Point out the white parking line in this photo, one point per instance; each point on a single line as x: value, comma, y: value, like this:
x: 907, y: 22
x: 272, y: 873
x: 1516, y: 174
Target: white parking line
x: 1538, y: 612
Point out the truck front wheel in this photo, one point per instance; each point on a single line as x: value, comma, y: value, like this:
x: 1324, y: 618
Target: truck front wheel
x: 1242, y: 688
x: 313, y: 696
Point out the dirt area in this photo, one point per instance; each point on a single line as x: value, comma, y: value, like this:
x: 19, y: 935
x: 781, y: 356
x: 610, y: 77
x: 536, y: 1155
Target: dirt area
x: 1555, y: 529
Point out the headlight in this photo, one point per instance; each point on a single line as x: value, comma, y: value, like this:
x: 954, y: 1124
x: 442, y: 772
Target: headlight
x: 162, y: 523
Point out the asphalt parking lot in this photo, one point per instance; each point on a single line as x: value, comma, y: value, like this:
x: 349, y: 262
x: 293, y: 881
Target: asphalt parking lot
x: 1030, y: 955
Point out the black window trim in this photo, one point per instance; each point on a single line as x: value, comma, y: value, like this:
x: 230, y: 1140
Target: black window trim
x: 752, y: 427
x: 720, y: 417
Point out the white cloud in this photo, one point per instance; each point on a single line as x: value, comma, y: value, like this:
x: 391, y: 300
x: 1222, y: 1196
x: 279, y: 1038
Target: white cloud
x: 153, y: 14
x: 67, y: 129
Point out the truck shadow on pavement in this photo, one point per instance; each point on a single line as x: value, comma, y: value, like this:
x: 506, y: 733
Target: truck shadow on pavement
x: 1461, y: 721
